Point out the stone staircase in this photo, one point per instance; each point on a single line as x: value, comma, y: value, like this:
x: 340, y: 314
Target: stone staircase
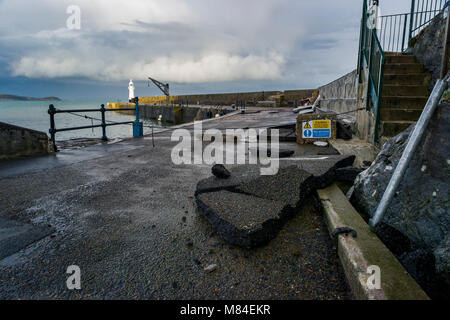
x: 405, y: 93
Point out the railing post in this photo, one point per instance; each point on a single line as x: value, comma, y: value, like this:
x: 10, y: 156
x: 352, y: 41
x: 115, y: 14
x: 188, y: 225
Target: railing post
x: 52, y: 131
x: 369, y: 70
x: 404, y: 31
x: 444, y: 66
x: 136, y: 102
x: 411, y: 21
x: 361, y: 41
x: 380, y: 94
x: 138, y: 128
x: 102, y: 110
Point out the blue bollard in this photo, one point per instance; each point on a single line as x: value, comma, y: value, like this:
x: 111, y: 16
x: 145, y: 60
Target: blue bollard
x: 138, y: 127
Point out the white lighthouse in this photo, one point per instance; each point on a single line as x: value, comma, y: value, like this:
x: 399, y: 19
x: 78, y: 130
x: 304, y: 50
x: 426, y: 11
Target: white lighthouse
x: 131, y: 91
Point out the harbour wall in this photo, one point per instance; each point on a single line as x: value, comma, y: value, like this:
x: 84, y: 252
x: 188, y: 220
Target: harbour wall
x: 172, y: 114
x: 340, y: 95
x: 227, y: 99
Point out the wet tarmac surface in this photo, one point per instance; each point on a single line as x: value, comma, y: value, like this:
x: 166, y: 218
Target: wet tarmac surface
x: 125, y: 214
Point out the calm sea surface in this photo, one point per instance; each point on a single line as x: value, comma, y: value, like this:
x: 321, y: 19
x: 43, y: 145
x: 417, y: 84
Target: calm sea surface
x: 33, y: 115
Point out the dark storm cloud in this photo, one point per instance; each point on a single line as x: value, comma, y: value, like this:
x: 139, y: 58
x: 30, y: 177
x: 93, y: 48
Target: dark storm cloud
x: 289, y: 43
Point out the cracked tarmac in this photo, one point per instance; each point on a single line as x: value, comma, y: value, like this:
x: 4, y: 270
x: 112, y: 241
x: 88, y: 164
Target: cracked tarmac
x: 126, y: 215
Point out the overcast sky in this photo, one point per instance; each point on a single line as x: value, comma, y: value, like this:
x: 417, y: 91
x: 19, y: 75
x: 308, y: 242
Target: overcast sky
x: 198, y: 46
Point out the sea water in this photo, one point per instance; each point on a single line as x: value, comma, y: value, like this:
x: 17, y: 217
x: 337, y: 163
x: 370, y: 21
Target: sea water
x: 34, y: 115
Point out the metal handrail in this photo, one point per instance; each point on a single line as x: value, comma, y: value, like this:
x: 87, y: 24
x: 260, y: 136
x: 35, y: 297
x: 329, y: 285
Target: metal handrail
x: 410, y: 149
x: 372, y: 59
x: 422, y: 15
x: 52, y: 111
x: 396, y: 30
x: 392, y: 32
x: 390, y: 36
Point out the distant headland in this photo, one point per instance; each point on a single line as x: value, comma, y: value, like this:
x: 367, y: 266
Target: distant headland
x: 10, y: 97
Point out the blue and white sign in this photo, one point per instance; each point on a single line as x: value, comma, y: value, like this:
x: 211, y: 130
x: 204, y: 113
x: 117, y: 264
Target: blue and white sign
x: 317, y: 129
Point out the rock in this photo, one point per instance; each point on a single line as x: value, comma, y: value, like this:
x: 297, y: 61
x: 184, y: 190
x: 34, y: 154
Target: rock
x: 442, y: 258
x: 287, y: 133
x: 220, y: 171
x: 282, y: 153
x: 240, y: 175
x: 344, y: 130
x: 239, y: 218
x: 211, y: 268
x: 197, y: 262
x: 414, y: 212
x: 366, y: 164
x: 251, y: 209
x: 428, y: 48
x: 398, y: 243
x: 420, y: 264
x: 347, y: 174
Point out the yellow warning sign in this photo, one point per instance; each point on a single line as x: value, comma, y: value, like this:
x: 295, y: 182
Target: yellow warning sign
x: 322, y: 124
x: 316, y: 129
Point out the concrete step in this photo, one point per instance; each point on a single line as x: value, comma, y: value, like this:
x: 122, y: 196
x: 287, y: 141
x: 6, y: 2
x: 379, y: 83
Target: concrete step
x: 392, y: 128
x: 405, y: 90
x: 391, y: 102
x: 365, y: 250
x: 389, y: 53
x: 400, y: 59
x: 400, y: 114
x: 404, y: 79
x: 403, y: 68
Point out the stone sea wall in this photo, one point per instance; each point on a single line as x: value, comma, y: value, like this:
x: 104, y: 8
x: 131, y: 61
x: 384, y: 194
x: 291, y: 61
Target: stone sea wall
x: 340, y: 95
x: 18, y: 142
x: 227, y: 99
x: 172, y: 114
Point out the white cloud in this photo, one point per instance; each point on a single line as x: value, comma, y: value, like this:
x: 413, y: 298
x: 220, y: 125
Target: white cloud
x: 213, y: 67
x: 299, y: 42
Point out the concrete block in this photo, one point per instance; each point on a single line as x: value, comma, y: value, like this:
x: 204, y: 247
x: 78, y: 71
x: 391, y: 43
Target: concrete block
x: 16, y: 142
x: 366, y: 250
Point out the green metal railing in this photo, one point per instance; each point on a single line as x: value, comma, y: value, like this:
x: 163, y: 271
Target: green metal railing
x: 372, y: 60
x: 396, y: 30
x: 422, y: 12
x: 390, y: 33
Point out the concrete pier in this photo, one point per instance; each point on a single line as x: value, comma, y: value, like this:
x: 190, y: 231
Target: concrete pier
x: 174, y: 114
